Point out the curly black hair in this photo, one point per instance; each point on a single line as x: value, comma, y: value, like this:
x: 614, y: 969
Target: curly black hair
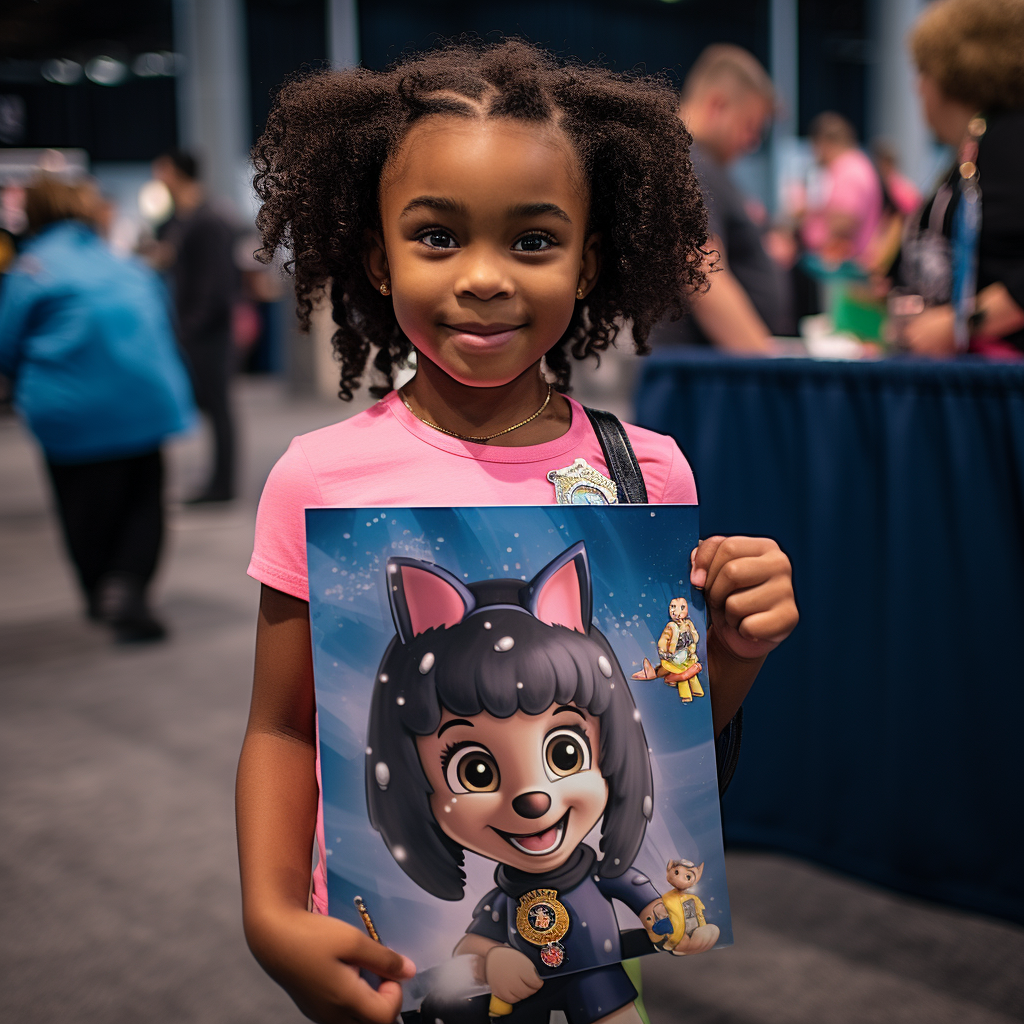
x: 330, y: 135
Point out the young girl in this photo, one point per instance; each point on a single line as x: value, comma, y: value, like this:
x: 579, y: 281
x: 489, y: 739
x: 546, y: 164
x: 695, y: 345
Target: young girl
x: 494, y: 212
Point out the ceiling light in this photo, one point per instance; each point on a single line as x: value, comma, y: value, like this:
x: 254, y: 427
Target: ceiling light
x: 62, y: 71
x: 105, y: 71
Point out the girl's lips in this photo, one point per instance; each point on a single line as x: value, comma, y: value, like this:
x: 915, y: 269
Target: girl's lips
x: 482, y: 337
x: 536, y: 844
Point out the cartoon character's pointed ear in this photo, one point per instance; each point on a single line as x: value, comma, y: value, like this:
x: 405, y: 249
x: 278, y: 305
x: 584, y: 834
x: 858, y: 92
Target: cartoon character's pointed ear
x: 560, y: 594
x: 424, y: 596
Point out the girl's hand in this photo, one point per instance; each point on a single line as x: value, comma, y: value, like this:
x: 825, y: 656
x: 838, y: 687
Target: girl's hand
x: 316, y: 960
x: 510, y: 974
x: 748, y: 589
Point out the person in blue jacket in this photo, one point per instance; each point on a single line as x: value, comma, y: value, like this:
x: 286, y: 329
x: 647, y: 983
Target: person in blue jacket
x: 86, y: 339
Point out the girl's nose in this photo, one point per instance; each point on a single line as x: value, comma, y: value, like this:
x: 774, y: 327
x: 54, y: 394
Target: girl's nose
x: 531, y: 805
x: 484, y: 277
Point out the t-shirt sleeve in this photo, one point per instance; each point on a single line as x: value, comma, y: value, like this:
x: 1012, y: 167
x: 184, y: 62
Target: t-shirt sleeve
x: 632, y: 887
x: 680, y: 487
x: 667, y: 474
x: 279, y: 550
x: 490, y: 917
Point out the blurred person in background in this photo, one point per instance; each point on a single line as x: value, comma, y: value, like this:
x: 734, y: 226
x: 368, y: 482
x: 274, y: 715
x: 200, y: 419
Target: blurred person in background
x: 900, y: 198
x: 197, y: 250
x: 86, y: 338
x: 843, y: 215
x: 899, y: 191
x: 970, y: 58
x: 726, y: 102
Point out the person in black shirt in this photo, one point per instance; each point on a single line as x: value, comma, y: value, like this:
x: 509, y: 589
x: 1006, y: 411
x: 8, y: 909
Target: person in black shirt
x: 727, y: 100
x: 970, y: 56
x: 199, y: 244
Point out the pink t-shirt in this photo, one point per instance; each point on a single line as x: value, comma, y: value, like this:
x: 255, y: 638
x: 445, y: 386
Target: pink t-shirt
x: 386, y: 456
x: 852, y: 187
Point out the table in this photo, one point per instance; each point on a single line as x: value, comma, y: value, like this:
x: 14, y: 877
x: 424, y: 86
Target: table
x: 884, y: 737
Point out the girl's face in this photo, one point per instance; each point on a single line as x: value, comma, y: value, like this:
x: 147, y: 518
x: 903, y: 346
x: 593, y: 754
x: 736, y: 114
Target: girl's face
x: 484, y: 244
x: 522, y: 791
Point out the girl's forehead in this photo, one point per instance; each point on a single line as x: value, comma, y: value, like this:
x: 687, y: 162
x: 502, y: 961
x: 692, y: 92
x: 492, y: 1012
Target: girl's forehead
x: 484, y: 158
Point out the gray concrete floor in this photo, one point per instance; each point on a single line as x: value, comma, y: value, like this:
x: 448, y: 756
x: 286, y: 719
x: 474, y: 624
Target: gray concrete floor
x: 118, y: 878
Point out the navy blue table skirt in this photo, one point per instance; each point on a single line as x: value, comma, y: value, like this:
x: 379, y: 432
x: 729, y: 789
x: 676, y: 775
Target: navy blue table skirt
x: 884, y: 737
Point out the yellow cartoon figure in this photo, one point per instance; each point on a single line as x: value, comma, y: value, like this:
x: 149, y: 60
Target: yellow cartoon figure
x: 682, y: 912
x: 677, y: 647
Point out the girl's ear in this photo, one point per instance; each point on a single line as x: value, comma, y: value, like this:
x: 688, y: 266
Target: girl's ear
x: 424, y: 596
x: 375, y: 259
x: 560, y: 594
x: 590, y: 266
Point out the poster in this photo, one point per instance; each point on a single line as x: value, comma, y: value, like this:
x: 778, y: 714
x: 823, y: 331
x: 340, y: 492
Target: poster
x: 516, y: 747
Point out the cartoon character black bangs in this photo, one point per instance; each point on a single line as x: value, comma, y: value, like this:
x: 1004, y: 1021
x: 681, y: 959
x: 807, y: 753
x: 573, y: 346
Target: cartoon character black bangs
x: 495, y: 648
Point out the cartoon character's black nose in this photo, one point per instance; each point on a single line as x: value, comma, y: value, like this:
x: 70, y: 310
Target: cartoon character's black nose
x: 531, y: 805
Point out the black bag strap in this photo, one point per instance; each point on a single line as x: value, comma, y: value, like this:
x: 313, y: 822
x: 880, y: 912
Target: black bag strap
x: 727, y: 751
x: 619, y: 456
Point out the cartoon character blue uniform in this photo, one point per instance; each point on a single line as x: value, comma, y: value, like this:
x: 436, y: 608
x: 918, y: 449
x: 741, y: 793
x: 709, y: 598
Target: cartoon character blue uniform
x: 502, y: 723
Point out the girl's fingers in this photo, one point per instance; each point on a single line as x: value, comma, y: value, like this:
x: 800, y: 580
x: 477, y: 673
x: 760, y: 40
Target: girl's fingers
x: 729, y: 576
x: 764, y: 597
x: 771, y: 626
x: 378, y: 1007
x: 701, y: 558
x: 362, y: 951
x: 717, y: 555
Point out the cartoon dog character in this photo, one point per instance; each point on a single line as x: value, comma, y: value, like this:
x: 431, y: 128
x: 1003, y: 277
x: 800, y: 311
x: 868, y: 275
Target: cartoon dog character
x: 502, y: 723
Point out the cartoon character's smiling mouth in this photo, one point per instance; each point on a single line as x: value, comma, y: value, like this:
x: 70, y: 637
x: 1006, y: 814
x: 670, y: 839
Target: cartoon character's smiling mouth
x: 537, y: 844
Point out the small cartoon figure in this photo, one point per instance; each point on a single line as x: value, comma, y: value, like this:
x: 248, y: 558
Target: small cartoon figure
x: 677, y: 647
x: 502, y: 723
x: 680, y: 915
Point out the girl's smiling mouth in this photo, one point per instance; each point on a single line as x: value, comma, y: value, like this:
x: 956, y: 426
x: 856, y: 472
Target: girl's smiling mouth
x: 537, y: 844
x: 483, y: 335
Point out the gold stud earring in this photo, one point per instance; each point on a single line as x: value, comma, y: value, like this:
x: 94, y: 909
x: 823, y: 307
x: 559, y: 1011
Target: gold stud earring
x: 385, y: 288
x: 579, y: 292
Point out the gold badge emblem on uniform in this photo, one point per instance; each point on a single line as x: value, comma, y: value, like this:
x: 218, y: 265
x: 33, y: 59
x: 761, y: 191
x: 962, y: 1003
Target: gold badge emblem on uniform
x: 581, y: 484
x: 542, y: 921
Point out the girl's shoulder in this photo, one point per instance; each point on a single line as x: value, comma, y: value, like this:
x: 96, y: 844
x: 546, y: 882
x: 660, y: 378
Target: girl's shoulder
x: 667, y: 473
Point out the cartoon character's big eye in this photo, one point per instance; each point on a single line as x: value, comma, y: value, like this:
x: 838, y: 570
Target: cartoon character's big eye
x: 471, y: 769
x: 566, y: 752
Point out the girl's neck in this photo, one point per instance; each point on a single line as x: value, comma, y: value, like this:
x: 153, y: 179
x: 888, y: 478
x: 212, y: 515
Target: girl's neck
x: 473, y: 412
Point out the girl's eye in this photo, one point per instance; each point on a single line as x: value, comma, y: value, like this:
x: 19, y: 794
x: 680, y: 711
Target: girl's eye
x: 471, y: 769
x: 566, y: 752
x: 438, y: 240
x: 532, y: 243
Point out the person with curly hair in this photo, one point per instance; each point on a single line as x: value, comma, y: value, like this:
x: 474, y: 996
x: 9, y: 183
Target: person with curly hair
x: 490, y: 212
x: 970, y: 59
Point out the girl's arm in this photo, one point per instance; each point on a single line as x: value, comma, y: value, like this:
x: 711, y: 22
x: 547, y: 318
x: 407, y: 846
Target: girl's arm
x: 314, y: 958
x: 748, y: 590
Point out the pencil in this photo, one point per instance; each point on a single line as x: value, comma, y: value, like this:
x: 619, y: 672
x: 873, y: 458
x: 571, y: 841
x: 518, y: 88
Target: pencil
x: 364, y: 914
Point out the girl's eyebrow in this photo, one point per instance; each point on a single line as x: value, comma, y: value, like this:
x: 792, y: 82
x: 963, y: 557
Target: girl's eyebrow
x: 451, y: 722
x: 565, y: 707
x: 536, y: 209
x: 444, y: 204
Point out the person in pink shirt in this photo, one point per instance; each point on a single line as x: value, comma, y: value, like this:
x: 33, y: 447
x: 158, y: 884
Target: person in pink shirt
x: 841, y: 220
x: 903, y: 194
x: 494, y: 212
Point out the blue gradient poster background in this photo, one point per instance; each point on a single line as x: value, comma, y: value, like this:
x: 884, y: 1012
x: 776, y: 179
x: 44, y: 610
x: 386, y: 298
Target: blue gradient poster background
x: 639, y: 558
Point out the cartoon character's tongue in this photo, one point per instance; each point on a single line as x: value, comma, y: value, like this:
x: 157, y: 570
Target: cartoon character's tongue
x: 539, y: 841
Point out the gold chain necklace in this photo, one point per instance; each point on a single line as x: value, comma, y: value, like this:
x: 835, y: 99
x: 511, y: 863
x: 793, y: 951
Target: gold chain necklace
x: 489, y: 437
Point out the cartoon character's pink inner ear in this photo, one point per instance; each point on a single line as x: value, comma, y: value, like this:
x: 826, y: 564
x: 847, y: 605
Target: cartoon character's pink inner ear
x: 432, y: 602
x: 558, y: 603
